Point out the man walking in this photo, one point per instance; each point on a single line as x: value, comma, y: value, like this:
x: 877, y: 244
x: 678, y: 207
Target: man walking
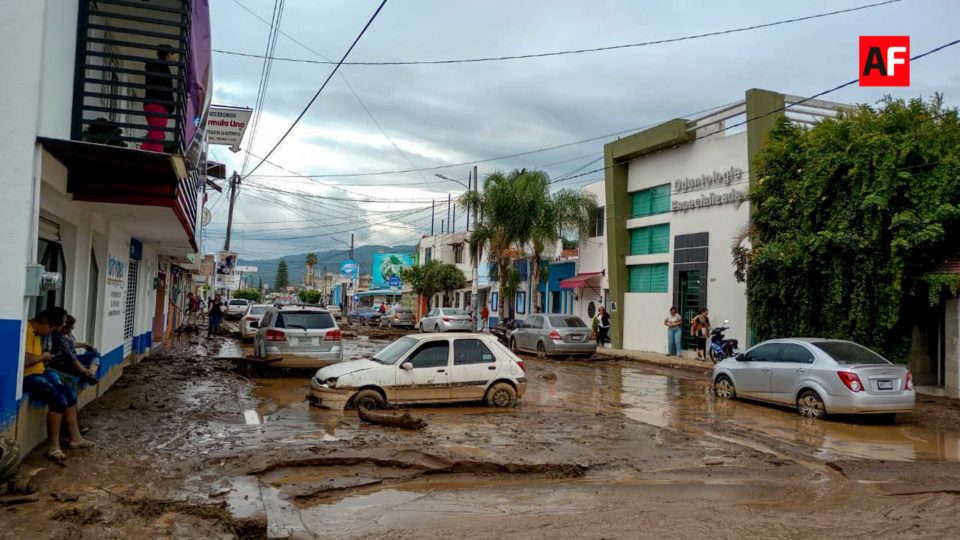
x: 216, y: 315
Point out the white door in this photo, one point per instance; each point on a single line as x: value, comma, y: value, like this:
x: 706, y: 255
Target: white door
x: 429, y: 380
x: 473, y: 366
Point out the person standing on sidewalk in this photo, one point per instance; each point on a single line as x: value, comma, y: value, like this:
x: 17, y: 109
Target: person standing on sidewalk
x: 484, y: 316
x: 700, y: 329
x: 159, y: 102
x: 673, y: 322
x: 603, y: 326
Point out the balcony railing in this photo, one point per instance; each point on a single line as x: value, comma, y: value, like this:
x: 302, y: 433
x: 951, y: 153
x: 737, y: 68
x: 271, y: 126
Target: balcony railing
x: 116, y: 42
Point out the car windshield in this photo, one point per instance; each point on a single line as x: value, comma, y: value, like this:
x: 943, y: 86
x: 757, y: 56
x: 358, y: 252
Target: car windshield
x: 392, y: 352
x: 454, y: 312
x: 307, y: 320
x: 848, y: 354
x: 567, y: 322
x: 238, y: 302
x: 259, y: 310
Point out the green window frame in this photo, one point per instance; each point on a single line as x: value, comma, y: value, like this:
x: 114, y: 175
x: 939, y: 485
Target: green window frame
x: 647, y: 202
x: 649, y: 278
x: 649, y: 240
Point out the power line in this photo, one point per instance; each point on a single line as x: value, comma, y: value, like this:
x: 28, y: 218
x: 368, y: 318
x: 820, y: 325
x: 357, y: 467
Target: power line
x: 577, y: 51
x: 322, y: 86
x: 265, y: 71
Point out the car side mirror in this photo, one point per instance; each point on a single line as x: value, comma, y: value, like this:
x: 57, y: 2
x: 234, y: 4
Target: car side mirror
x: 740, y: 357
x: 407, y: 366
x: 254, y: 324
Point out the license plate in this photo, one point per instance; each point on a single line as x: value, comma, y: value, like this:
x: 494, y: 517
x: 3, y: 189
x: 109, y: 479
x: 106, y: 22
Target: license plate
x: 885, y: 385
x: 576, y: 338
x: 315, y: 341
x: 293, y: 341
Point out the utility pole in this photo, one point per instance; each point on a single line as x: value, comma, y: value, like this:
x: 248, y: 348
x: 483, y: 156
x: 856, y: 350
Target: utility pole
x: 433, y: 215
x: 469, y: 180
x: 449, y: 198
x: 234, y: 183
x: 474, y: 290
x: 356, y: 275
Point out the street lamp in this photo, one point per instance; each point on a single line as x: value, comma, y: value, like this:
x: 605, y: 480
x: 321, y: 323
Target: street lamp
x: 438, y: 175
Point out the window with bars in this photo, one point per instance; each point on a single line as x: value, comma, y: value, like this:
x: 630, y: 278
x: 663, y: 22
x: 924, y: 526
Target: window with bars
x: 131, y: 308
x: 650, y: 240
x: 655, y: 200
x: 648, y: 278
x: 458, y: 253
x: 597, y: 223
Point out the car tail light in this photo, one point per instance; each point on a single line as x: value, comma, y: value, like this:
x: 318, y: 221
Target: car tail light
x: 909, y: 383
x: 851, y: 380
x: 555, y: 336
x: 332, y: 335
x: 446, y: 319
x: 276, y: 335
x: 522, y: 367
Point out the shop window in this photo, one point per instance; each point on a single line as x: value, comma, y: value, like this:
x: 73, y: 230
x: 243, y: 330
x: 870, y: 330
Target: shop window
x: 649, y: 240
x: 655, y: 200
x: 556, y: 302
x: 458, y: 253
x: 648, y: 278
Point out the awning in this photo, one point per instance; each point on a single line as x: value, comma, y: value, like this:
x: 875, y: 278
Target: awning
x: 378, y: 292
x: 579, y: 281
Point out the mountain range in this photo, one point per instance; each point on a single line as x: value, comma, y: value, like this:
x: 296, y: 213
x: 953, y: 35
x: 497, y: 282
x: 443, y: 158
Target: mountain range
x: 331, y: 259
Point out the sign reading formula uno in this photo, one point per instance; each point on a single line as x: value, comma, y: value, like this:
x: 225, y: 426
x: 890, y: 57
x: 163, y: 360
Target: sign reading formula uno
x: 716, y: 179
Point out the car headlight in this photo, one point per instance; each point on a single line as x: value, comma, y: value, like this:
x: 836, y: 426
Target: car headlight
x: 332, y: 383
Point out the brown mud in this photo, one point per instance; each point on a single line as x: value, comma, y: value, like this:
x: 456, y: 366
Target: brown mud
x: 187, y: 447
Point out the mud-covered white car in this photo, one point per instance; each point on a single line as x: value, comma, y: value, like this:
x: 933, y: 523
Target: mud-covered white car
x: 425, y: 368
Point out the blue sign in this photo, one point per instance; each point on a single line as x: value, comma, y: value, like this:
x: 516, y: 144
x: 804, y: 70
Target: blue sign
x: 349, y: 268
x: 394, y: 282
x: 389, y: 265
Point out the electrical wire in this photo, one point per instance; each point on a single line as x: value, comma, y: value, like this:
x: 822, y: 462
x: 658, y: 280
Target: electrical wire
x: 322, y: 86
x: 577, y: 51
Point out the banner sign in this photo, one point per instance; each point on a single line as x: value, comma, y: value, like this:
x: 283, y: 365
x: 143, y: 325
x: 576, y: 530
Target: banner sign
x: 246, y: 269
x: 226, y: 125
x: 349, y: 269
x: 388, y: 265
x: 226, y: 261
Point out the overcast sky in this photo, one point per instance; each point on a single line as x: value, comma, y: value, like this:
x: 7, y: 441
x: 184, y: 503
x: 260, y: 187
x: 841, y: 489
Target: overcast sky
x: 444, y: 114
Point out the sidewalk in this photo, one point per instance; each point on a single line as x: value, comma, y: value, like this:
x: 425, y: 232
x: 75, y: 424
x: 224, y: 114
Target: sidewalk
x: 658, y: 359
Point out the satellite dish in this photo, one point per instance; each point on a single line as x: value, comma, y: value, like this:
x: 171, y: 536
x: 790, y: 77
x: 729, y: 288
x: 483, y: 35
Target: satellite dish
x: 205, y: 217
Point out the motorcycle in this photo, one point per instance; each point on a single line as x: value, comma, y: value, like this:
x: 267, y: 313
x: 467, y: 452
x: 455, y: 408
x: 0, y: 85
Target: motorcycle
x: 504, y: 329
x: 721, y: 348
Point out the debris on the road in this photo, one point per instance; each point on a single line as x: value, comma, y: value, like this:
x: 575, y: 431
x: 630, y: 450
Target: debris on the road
x: 712, y: 461
x: 12, y: 500
x: 549, y: 376
x: 405, y: 420
x: 64, y: 497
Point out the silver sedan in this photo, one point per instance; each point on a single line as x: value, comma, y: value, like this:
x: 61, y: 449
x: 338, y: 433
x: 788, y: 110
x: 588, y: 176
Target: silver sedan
x: 817, y: 377
x: 446, y: 320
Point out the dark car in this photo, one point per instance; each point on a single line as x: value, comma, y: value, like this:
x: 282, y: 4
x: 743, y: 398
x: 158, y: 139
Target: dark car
x: 364, y: 316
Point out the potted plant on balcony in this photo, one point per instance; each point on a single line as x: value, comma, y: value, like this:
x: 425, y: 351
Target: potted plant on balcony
x: 103, y: 131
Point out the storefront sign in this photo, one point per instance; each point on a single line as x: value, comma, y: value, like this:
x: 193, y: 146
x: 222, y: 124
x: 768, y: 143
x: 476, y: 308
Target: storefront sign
x: 710, y: 199
x: 246, y: 269
x: 707, y: 181
x: 225, y: 125
x: 116, y: 269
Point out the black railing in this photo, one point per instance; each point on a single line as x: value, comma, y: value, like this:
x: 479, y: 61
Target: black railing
x: 116, y: 40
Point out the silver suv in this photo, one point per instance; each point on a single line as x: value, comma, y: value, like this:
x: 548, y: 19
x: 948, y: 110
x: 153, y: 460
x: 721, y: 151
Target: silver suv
x: 298, y: 336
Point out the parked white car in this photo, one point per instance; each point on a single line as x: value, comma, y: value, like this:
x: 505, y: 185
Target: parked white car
x: 236, y: 307
x: 446, y: 320
x: 425, y: 368
x: 254, y: 314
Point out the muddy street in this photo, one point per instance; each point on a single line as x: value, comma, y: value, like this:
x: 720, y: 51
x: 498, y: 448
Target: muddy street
x: 187, y: 446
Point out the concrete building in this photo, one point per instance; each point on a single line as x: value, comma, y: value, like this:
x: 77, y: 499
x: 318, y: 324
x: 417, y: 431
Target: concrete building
x: 674, y: 205
x: 590, y: 285
x: 115, y: 226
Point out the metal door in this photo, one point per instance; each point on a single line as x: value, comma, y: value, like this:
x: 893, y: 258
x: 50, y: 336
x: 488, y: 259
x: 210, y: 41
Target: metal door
x: 690, y: 303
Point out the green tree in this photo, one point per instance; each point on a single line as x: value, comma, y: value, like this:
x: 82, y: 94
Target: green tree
x: 849, y: 217
x: 309, y: 296
x: 248, y: 294
x: 260, y: 285
x: 282, y: 279
x: 434, y: 277
x: 311, y: 263
x: 519, y: 211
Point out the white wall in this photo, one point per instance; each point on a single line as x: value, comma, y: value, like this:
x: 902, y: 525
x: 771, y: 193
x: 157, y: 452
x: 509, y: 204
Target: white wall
x: 644, y: 312
x: 59, y: 47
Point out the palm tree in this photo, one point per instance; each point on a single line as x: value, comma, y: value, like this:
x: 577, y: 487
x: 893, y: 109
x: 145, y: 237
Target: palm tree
x: 311, y: 263
x: 562, y: 213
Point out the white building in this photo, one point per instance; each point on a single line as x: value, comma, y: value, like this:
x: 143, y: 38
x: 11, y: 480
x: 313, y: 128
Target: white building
x: 116, y: 224
x: 590, y: 285
x: 674, y: 195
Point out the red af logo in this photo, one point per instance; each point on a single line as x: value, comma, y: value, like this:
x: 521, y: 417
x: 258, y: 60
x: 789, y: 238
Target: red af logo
x: 884, y: 60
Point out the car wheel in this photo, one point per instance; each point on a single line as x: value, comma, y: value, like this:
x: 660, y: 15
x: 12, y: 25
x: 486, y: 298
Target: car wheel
x: 810, y: 405
x: 501, y: 395
x: 723, y: 388
x: 541, y: 350
x: 370, y: 399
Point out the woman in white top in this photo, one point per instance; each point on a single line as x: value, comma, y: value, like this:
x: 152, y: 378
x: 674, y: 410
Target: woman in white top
x: 673, y: 322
